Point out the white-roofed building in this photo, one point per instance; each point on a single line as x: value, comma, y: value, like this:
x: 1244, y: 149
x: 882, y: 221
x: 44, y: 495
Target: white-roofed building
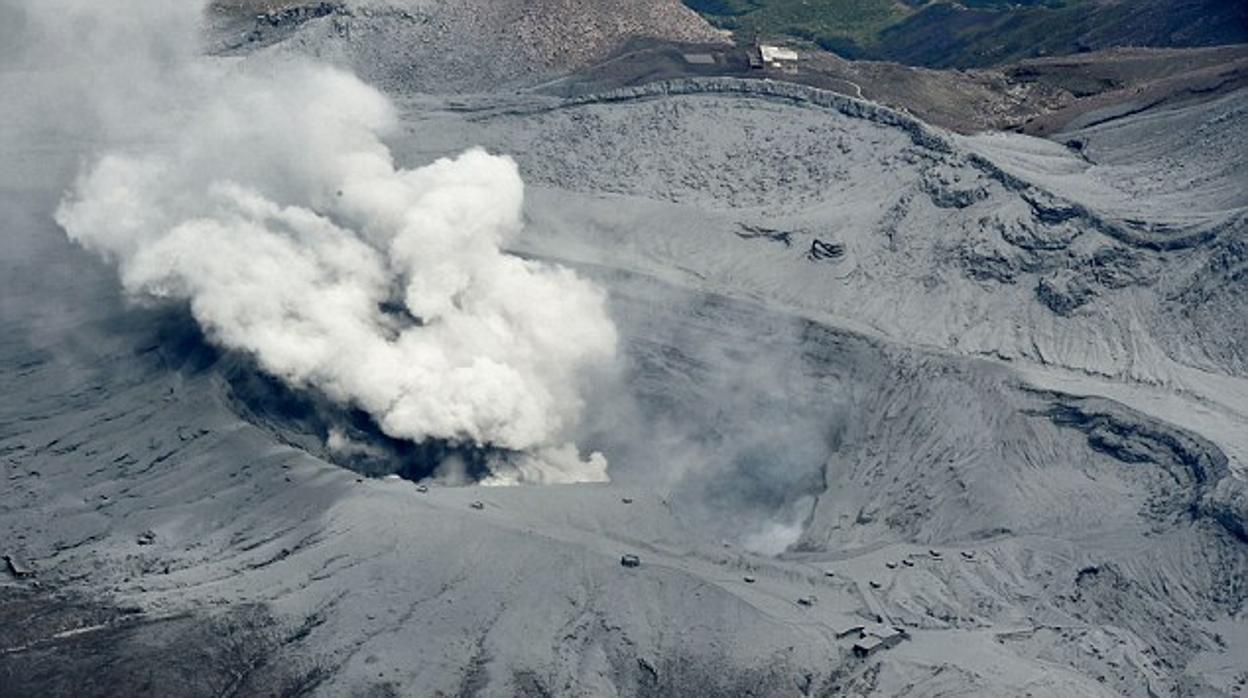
x: 777, y: 56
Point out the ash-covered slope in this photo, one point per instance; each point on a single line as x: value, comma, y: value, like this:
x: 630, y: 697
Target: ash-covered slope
x: 446, y: 46
x: 996, y: 245
x: 1008, y: 277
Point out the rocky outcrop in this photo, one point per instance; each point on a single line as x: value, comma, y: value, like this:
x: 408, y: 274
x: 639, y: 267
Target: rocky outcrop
x: 919, y: 132
x: 821, y: 251
x: 1193, y: 461
x: 947, y: 189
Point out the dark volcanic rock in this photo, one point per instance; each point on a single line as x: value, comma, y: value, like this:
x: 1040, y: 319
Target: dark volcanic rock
x: 983, y: 263
x: 1064, y: 293
x: 821, y: 251
x: 947, y: 190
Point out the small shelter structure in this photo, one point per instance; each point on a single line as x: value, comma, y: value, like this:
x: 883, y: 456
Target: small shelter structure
x: 876, y: 637
x: 772, y: 56
x: 17, y: 568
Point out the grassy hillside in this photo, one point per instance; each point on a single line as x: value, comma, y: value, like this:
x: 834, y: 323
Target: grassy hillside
x: 975, y: 33
x: 818, y: 21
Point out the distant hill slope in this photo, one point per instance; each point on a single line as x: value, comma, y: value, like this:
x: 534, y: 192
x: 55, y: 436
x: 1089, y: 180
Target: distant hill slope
x: 980, y: 33
x: 465, y: 45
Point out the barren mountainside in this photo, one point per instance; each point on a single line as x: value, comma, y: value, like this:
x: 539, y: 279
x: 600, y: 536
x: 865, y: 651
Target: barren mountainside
x: 453, y: 45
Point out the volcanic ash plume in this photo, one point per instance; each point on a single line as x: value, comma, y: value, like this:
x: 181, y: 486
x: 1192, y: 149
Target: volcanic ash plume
x: 273, y: 209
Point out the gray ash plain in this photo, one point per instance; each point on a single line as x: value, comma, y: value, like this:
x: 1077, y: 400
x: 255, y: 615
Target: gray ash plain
x: 1004, y: 410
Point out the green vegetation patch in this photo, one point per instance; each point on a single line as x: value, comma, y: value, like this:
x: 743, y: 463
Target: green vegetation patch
x: 977, y: 33
x: 842, y: 25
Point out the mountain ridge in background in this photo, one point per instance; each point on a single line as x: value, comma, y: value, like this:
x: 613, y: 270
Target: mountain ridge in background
x: 983, y: 32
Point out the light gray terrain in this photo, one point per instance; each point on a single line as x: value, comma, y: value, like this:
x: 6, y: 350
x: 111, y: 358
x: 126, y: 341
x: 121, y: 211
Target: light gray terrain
x: 990, y: 390
x: 452, y: 46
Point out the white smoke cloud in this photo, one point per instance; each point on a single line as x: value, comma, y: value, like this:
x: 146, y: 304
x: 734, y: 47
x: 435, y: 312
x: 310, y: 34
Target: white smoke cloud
x: 264, y: 197
x: 340, y: 443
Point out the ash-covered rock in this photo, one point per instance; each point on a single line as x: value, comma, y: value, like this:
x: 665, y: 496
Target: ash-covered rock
x: 297, y: 14
x: 758, y: 232
x: 1064, y: 292
x: 821, y: 251
x: 1022, y: 229
x: 983, y: 261
x: 949, y: 188
x: 1212, y: 301
x: 1197, y: 465
x: 1087, y: 277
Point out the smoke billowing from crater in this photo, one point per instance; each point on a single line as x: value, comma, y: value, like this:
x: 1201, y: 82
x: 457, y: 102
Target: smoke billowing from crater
x: 264, y: 198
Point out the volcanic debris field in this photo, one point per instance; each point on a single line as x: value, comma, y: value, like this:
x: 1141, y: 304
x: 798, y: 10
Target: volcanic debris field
x: 896, y: 411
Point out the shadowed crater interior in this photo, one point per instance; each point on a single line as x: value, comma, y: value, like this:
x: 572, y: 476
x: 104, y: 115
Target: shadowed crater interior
x: 308, y: 420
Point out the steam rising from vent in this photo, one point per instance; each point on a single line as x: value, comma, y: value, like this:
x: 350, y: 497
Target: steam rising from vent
x: 270, y: 205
